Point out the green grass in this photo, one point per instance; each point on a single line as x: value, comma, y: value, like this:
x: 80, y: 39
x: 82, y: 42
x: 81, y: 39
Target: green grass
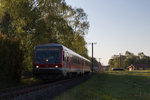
x: 28, y: 81
x: 114, y: 85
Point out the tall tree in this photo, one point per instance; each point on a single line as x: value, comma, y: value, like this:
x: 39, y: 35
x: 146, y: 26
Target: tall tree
x: 23, y: 19
x: 128, y: 59
x: 44, y: 21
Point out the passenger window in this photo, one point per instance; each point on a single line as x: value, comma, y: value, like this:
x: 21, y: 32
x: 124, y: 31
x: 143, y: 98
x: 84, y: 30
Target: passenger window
x: 67, y: 58
x: 63, y: 56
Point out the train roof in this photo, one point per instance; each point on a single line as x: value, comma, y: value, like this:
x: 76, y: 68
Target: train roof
x: 49, y: 44
x: 64, y: 47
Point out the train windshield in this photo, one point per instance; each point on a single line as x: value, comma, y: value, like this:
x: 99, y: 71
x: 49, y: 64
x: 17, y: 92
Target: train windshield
x: 49, y: 55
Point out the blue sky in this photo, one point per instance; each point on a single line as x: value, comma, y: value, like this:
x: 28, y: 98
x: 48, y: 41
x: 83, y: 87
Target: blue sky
x: 116, y: 26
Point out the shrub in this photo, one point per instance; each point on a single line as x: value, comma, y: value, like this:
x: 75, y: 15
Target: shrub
x: 11, y: 58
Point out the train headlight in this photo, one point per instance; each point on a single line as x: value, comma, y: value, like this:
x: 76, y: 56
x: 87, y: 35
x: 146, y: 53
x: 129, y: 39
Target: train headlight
x: 37, y: 66
x: 56, y: 66
x: 46, y: 60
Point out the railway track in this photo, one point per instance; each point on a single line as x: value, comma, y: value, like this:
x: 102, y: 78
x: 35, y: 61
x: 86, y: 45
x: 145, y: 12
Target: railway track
x: 41, y: 91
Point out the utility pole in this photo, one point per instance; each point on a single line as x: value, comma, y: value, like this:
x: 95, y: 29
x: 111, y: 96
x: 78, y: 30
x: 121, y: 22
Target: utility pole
x: 119, y: 60
x: 92, y: 58
x: 99, y: 65
x: 99, y: 59
x: 92, y: 54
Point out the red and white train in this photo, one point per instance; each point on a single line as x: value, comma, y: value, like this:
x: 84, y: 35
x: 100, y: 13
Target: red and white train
x: 53, y: 61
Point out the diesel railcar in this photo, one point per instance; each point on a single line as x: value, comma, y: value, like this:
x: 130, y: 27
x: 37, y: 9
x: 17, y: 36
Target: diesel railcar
x: 54, y: 61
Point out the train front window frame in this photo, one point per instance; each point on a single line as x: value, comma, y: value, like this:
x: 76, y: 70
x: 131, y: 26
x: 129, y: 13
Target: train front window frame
x: 47, y: 55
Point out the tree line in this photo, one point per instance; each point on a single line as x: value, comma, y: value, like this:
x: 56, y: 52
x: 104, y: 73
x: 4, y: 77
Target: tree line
x: 34, y: 22
x: 127, y: 59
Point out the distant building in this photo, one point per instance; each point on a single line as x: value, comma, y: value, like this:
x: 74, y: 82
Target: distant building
x: 131, y: 67
x: 95, y: 68
x: 106, y: 68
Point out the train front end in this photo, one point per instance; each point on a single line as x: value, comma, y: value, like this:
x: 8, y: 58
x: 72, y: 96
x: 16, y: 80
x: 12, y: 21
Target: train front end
x: 47, y: 63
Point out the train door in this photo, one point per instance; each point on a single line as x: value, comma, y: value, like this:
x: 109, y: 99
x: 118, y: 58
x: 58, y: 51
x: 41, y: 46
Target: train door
x: 64, y: 59
x: 82, y: 66
x: 70, y: 61
x: 67, y: 61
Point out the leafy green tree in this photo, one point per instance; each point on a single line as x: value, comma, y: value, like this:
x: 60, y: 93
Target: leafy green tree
x: 128, y: 59
x: 129, y: 54
x: 114, y: 61
x: 11, y: 68
x: 79, y: 22
x: 111, y: 63
x: 141, y: 55
x: 79, y: 45
x: 43, y: 21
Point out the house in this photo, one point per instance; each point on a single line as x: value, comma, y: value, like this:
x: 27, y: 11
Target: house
x: 106, y: 68
x: 131, y: 67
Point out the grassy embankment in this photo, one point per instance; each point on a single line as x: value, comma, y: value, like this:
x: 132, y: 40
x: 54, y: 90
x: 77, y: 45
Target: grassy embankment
x: 112, y: 86
x: 28, y: 81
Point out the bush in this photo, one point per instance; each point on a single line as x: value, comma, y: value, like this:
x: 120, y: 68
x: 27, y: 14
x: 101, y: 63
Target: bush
x: 11, y: 58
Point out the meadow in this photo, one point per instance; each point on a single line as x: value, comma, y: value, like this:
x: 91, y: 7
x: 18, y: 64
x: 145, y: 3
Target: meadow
x: 112, y: 85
